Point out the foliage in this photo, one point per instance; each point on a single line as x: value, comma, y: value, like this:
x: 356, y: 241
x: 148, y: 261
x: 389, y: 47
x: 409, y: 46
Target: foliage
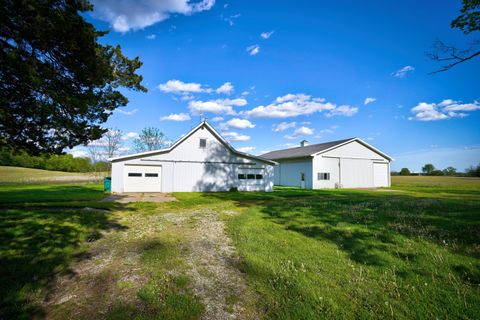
x: 58, y: 83
x: 64, y: 162
x: 449, y: 171
x: 468, y: 22
x: 428, y: 168
x: 150, y: 139
x: 473, y: 171
x: 405, y: 172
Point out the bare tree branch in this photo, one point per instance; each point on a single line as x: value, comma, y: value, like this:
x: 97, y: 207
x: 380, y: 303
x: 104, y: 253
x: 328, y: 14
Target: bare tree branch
x: 444, y: 52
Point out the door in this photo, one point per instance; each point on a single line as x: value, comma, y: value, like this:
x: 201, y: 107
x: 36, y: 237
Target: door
x: 356, y: 173
x: 380, y: 174
x: 142, y: 178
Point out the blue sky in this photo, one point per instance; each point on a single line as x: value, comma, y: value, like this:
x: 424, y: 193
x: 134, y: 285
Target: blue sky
x: 278, y: 72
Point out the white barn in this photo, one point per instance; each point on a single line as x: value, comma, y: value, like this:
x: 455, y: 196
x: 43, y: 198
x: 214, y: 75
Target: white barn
x: 202, y: 160
x: 349, y: 163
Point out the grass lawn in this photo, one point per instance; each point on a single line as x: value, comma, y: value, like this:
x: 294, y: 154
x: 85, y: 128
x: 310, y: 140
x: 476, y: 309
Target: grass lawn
x: 410, y: 253
x: 18, y: 175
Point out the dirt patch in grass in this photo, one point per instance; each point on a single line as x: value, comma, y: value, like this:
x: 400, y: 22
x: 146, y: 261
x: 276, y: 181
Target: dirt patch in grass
x: 213, y: 269
x: 140, y: 197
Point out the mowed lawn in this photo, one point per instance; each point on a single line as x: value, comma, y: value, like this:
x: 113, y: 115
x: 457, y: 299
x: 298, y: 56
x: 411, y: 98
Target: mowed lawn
x: 412, y: 251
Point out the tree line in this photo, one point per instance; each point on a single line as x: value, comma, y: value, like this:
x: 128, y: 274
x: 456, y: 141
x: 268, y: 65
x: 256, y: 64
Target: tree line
x: 430, y: 170
x: 111, y: 144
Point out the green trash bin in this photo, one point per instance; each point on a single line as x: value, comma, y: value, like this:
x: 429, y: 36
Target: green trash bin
x: 107, y: 184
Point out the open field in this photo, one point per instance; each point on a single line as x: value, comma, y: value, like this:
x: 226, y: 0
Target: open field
x: 18, y: 175
x: 291, y: 254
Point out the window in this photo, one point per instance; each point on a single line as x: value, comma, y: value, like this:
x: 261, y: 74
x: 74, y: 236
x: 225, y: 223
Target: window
x: 251, y: 176
x: 134, y: 174
x: 302, y: 176
x: 242, y: 177
x: 203, y: 143
x: 323, y: 176
x: 259, y: 176
x: 151, y: 175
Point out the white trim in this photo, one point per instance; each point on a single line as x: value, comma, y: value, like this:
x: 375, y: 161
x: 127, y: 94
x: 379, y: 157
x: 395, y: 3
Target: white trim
x: 358, y: 140
x: 200, y: 125
x: 377, y: 160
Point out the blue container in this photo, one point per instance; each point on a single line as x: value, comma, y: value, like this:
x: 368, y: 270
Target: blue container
x: 107, y: 184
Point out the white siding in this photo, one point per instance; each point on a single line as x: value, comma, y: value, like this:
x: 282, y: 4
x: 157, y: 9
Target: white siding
x: 354, y: 149
x: 289, y: 172
x: 381, y: 176
x: 187, y: 167
x: 356, y: 173
x: 326, y: 165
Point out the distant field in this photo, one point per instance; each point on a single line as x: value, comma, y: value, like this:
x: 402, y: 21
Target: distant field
x: 18, y: 175
x: 425, y: 181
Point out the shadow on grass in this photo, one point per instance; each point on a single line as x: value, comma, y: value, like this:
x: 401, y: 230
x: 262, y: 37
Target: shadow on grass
x: 367, y: 224
x: 38, y: 244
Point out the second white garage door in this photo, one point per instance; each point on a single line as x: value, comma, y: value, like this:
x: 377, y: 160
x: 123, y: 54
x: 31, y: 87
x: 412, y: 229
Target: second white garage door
x: 356, y: 173
x: 142, y: 178
x: 380, y: 174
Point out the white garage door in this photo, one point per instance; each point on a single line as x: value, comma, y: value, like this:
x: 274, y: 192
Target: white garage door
x: 142, y: 178
x: 356, y: 173
x: 380, y: 174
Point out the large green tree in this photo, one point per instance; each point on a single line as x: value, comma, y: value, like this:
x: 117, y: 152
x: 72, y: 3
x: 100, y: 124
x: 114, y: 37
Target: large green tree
x: 58, y: 84
x: 468, y: 21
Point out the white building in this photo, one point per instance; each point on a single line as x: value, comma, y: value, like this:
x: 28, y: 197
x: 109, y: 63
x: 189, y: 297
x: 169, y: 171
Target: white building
x: 200, y: 161
x: 349, y: 163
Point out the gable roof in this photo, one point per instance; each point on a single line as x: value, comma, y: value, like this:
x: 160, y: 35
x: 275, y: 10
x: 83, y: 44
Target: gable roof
x: 314, y: 149
x: 202, y: 124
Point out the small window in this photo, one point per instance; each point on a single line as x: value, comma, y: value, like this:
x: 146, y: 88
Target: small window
x: 259, y: 176
x: 203, y: 143
x: 323, y: 176
x: 151, y: 175
x: 242, y: 177
x: 251, y: 176
x: 302, y: 176
x: 134, y: 174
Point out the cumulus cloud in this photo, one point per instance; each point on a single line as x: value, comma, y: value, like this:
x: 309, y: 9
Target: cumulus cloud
x: 78, y: 152
x: 235, y: 136
x: 226, y: 88
x: 291, y: 105
x: 246, y: 149
x: 369, y: 100
x: 125, y: 15
x: 266, y: 35
x: 401, y: 73
x: 253, y: 50
x: 130, y: 135
x: 282, y: 126
x: 443, y: 110
x: 127, y: 113
x: 217, y: 119
x: 237, y: 124
x: 302, y: 131
x: 180, y: 87
x: 219, y: 106
x: 346, y: 111
x: 176, y: 117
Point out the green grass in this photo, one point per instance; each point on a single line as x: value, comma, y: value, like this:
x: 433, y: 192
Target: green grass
x: 308, y: 254
x: 19, y: 175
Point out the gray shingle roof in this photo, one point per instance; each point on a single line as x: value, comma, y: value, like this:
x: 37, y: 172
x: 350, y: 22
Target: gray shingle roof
x: 300, y: 152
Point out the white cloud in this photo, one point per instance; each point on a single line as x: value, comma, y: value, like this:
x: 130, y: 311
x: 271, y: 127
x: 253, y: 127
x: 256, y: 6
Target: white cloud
x: 237, y: 124
x: 151, y: 36
x: 291, y: 105
x: 401, y: 73
x: 253, y: 50
x: 369, y: 100
x: 130, y: 135
x: 125, y: 15
x: 446, y: 109
x: 326, y: 131
x: 246, y: 149
x: 266, y: 35
x: 282, y: 126
x: 302, y: 131
x: 219, y: 106
x: 226, y: 88
x: 78, y: 152
x: 217, y: 119
x: 346, y: 111
x: 180, y: 87
x: 176, y: 117
x: 127, y: 113
x: 245, y: 93
x: 231, y: 19
x: 235, y: 136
